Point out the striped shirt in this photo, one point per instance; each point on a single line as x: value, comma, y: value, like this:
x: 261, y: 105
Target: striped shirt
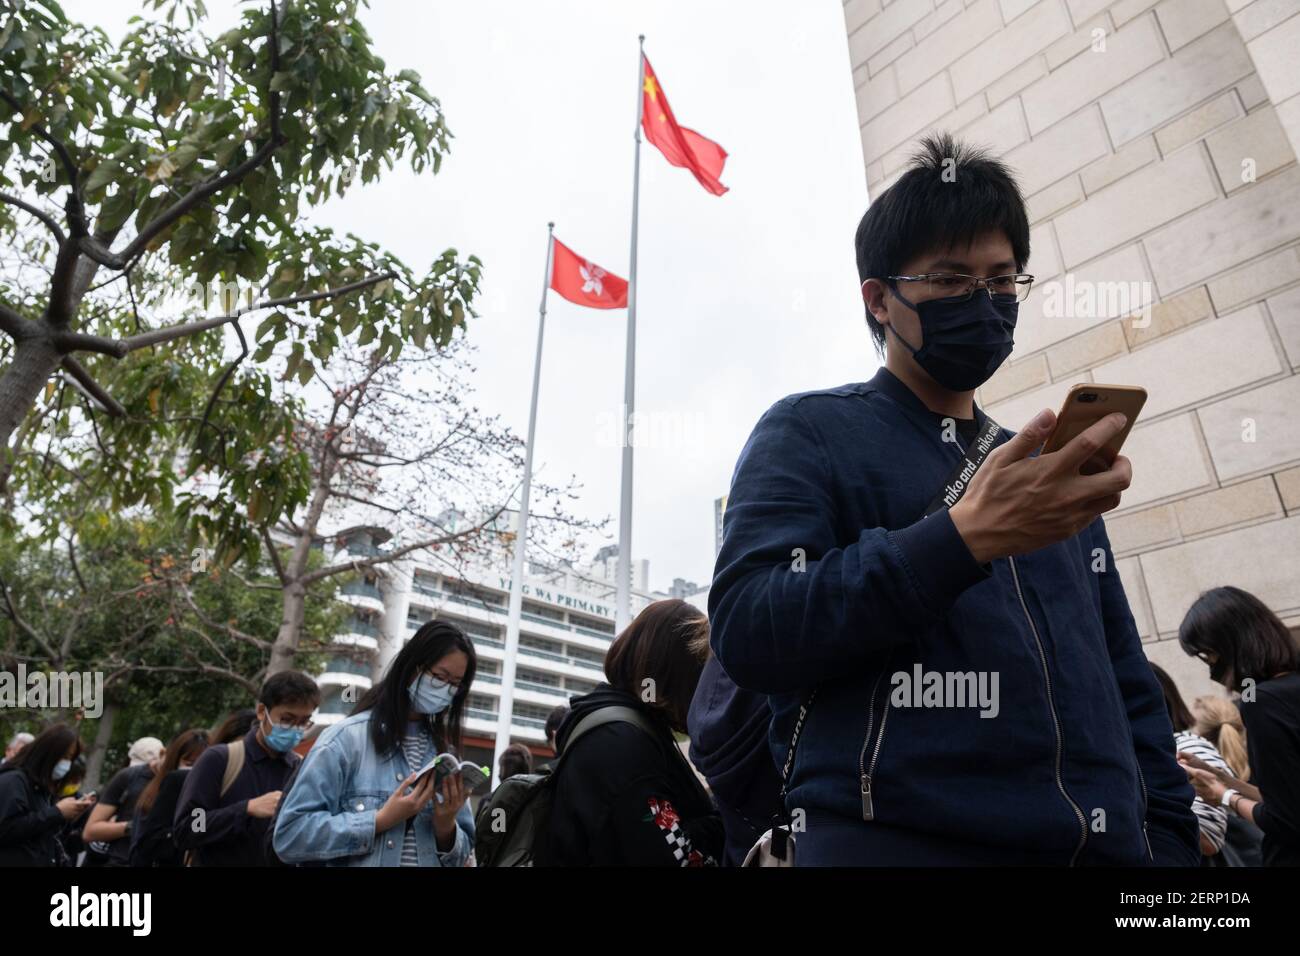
x: 1213, y: 819
x: 417, y: 747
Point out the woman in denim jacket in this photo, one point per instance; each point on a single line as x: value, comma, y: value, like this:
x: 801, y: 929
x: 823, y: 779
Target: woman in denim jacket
x: 353, y: 802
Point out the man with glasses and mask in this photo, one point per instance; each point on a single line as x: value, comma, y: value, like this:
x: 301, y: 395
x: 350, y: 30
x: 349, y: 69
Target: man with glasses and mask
x: 931, y: 607
x: 231, y: 794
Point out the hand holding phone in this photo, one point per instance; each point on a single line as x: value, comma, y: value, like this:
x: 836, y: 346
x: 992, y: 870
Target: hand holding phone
x: 1020, y: 502
x: 1084, y: 406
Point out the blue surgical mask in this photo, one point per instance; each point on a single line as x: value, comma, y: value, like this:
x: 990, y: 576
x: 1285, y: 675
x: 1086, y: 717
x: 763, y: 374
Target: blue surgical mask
x: 283, y: 739
x: 61, y: 769
x: 429, y: 695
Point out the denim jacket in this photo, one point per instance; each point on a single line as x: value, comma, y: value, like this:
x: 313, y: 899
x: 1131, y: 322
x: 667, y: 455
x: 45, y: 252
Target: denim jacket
x: 329, y: 813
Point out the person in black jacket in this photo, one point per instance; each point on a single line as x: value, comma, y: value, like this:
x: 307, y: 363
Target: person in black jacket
x: 729, y: 729
x: 626, y: 795
x: 224, y: 823
x: 1250, y: 651
x: 151, y: 825
x: 71, y: 786
x: 31, y: 819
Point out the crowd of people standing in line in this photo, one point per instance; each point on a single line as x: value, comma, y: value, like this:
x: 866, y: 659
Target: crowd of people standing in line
x: 240, y: 795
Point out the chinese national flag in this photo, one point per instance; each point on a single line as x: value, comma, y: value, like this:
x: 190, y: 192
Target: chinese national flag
x: 584, y: 282
x: 680, y: 146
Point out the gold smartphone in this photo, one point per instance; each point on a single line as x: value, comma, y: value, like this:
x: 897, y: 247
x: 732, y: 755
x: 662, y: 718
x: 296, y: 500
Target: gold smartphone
x: 1085, y: 406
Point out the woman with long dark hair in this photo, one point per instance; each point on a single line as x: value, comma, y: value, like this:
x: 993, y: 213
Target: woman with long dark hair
x: 32, y: 816
x: 151, y: 827
x: 343, y: 810
x: 234, y: 727
x: 1250, y: 651
x: 624, y: 792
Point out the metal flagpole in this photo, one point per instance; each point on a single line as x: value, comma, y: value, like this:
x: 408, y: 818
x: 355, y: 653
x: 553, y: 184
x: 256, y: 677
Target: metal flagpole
x: 506, y: 707
x: 623, y: 592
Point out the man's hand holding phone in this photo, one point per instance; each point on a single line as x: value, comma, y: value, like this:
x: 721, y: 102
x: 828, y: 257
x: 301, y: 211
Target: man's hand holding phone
x: 1017, y: 503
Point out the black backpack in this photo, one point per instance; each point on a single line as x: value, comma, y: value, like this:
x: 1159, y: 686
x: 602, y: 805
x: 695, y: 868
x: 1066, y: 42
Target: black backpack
x: 513, y: 822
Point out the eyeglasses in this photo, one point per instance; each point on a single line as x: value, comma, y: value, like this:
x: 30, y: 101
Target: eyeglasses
x: 952, y: 285
x: 305, y: 724
x: 444, y: 677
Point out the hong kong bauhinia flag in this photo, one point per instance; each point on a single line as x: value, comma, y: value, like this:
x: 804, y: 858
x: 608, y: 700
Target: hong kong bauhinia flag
x: 680, y: 146
x: 582, y: 281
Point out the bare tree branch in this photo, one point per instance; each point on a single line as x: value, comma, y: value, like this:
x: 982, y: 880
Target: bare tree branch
x: 12, y: 613
x: 91, y: 387
x: 14, y: 325
x: 388, y: 556
x: 38, y: 213
x: 274, y: 555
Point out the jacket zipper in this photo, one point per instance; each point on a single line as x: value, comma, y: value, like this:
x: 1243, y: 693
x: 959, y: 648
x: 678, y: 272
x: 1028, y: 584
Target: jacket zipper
x: 1051, y: 705
x: 865, y: 772
x: 1145, y: 806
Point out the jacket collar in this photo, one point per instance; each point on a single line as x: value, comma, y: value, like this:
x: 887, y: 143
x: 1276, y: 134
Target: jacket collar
x: 891, y: 385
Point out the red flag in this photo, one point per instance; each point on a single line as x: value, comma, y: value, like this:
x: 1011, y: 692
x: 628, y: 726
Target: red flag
x: 680, y: 146
x: 582, y: 281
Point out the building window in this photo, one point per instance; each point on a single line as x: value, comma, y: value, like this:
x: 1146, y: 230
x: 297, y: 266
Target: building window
x: 541, y: 610
x: 538, y: 644
x: 592, y: 623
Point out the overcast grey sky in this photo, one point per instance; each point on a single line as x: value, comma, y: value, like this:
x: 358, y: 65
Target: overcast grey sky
x: 742, y: 298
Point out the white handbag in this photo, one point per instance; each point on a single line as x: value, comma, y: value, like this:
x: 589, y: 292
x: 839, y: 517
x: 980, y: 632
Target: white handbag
x: 763, y: 853
x: 776, y: 846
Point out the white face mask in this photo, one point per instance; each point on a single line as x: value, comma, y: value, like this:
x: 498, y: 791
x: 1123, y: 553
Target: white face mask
x: 430, y: 695
x: 61, y: 769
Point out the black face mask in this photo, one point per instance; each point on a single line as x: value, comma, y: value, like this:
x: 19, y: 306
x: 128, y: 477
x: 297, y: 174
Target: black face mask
x: 965, y: 340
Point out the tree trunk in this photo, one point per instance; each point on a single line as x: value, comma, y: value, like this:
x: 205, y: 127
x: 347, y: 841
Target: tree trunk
x: 285, y: 647
x: 34, y: 361
x: 95, y: 757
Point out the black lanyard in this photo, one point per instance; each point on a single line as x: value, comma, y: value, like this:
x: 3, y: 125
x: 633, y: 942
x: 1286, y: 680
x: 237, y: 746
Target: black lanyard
x: 958, y: 480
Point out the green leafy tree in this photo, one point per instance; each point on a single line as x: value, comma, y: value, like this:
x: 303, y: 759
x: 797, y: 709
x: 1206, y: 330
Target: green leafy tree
x: 175, y: 161
x: 178, y: 642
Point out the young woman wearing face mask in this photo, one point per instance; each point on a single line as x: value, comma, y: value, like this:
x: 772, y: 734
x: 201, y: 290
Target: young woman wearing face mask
x: 151, y: 827
x: 31, y: 816
x: 355, y: 802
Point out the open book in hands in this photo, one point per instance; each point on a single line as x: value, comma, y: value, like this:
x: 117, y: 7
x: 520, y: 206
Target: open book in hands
x: 445, y: 764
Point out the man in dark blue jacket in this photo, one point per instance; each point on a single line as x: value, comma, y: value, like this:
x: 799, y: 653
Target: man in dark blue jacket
x: 981, y: 693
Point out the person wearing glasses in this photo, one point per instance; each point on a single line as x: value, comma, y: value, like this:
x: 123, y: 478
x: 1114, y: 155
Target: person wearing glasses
x: 231, y: 793
x: 972, y: 687
x: 356, y: 801
x: 1250, y: 652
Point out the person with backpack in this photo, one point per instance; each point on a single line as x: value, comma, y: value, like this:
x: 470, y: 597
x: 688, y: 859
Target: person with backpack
x: 343, y: 808
x: 623, y: 792
x: 930, y: 604
x: 33, y: 817
x: 108, y: 831
x: 515, y: 760
x: 232, y: 792
x: 155, y: 808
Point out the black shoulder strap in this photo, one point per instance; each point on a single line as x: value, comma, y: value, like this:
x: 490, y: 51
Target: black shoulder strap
x: 606, y: 715
x: 953, y: 488
x: 959, y: 478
